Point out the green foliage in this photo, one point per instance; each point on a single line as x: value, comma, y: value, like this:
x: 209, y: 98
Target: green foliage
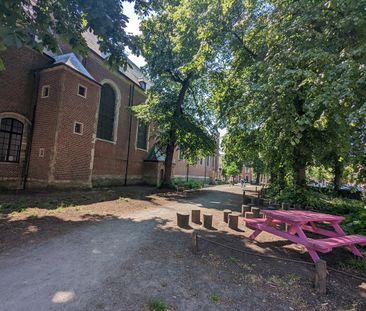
x: 190, y: 184
x: 157, y: 305
x: 214, y: 298
x: 177, y: 54
x: 292, y: 98
x: 40, y: 23
x: 354, y: 264
x: 354, y: 211
x: 231, y: 169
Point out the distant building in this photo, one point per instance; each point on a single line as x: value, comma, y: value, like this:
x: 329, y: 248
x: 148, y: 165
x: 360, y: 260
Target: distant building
x: 247, y: 173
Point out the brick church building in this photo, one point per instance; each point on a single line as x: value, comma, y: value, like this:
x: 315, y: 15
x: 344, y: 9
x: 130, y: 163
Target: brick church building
x: 65, y: 121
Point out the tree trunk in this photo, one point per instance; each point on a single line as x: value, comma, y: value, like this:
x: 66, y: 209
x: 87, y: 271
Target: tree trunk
x: 170, y: 148
x: 257, y: 178
x: 338, y: 172
x: 300, y: 164
x: 167, y: 182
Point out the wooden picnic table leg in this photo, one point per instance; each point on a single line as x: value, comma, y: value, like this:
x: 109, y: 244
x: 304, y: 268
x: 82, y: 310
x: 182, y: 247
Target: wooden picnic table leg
x: 313, y: 254
x: 352, y: 248
x: 259, y: 231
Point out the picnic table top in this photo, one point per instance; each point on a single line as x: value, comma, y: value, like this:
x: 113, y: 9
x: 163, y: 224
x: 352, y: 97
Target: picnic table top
x: 297, y: 216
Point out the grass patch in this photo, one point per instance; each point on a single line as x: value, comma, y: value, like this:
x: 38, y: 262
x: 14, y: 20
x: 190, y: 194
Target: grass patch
x: 214, y: 298
x: 17, y: 207
x: 123, y: 199
x: 157, y: 305
x: 190, y: 184
x: 233, y: 260
x: 354, y: 264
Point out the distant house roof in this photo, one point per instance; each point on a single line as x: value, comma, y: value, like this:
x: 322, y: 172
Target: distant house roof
x: 73, y: 62
x: 132, y: 71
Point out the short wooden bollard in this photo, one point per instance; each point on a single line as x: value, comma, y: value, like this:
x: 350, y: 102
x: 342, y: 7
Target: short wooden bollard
x: 256, y: 211
x: 244, y: 209
x: 226, y: 215
x: 207, y: 220
x: 196, y: 216
x: 183, y: 220
x: 194, y: 241
x: 321, y: 276
x: 233, y: 221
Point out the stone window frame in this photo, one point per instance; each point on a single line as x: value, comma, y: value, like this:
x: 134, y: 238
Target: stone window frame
x: 147, y: 137
x: 116, y: 114
x: 41, y: 153
x: 78, y: 90
x: 24, y: 142
x: 81, y: 128
x: 44, y: 87
x: 11, y: 133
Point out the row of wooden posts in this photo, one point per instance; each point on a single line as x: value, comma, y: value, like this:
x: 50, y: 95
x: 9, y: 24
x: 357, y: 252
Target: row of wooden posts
x: 231, y: 218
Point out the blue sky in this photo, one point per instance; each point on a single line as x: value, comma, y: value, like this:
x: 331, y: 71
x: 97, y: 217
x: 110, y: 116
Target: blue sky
x: 133, y: 27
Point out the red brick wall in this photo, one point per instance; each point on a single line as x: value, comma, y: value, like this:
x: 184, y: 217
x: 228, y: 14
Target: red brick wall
x: 195, y: 171
x: 111, y: 157
x: 68, y: 156
x: 17, y: 81
x: 16, y: 92
x: 45, y: 126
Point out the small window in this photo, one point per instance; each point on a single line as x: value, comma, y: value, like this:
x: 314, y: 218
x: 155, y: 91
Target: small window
x: 45, y: 91
x: 142, y: 84
x: 208, y: 161
x: 11, y: 131
x: 41, y: 152
x: 82, y: 91
x: 142, y: 133
x: 180, y: 155
x: 107, y: 111
x: 78, y: 128
x: 201, y: 162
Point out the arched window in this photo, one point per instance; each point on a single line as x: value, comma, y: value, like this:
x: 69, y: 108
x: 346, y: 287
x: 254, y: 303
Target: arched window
x: 107, y: 110
x: 11, y: 131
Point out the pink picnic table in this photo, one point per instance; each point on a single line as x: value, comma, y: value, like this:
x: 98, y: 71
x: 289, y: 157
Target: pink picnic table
x: 300, y: 221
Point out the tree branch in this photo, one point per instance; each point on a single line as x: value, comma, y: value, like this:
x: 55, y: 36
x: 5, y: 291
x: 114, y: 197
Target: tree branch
x: 249, y: 51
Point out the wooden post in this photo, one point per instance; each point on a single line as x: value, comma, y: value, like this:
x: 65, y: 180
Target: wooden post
x: 285, y: 206
x: 256, y: 211
x: 207, y: 221
x: 226, y: 215
x: 183, y: 220
x: 196, y: 216
x: 244, y: 209
x: 321, y: 276
x: 194, y: 242
x: 233, y: 221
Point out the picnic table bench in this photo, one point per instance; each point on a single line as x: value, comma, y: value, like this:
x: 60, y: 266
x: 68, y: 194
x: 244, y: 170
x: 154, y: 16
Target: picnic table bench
x: 300, y: 221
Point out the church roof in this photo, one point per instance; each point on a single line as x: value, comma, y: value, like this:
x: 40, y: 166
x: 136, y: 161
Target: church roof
x: 73, y: 62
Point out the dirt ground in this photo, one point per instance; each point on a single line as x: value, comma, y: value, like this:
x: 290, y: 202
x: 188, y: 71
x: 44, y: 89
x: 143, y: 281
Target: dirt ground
x: 120, y: 248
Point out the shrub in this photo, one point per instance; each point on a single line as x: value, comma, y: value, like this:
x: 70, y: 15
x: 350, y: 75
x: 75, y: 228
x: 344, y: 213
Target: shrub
x: 190, y: 184
x: 353, y: 210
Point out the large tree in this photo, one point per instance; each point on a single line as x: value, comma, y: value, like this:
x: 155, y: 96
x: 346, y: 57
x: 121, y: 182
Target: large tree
x: 40, y: 23
x: 178, y: 53
x: 296, y: 82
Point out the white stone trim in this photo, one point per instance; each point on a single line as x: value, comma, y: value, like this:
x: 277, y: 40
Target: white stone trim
x: 147, y: 137
x: 116, y: 112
